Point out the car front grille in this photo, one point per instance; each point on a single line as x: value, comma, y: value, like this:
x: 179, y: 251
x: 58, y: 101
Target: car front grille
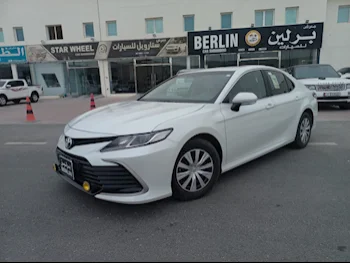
x: 333, y: 87
x: 106, y: 179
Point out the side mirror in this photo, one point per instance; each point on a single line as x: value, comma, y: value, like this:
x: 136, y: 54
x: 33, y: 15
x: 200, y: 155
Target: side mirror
x: 8, y: 86
x: 243, y: 99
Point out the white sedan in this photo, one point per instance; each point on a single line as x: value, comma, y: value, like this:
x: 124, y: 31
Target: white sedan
x: 178, y: 138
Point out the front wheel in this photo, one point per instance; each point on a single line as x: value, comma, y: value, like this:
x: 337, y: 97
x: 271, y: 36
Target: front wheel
x: 196, y: 170
x: 303, y: 135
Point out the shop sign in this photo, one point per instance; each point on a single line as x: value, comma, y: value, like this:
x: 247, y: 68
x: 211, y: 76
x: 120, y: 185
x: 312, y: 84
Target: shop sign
x: 159, y: 47
x: 12, y: 54
x: 289, y: 37
x: 71, y: 51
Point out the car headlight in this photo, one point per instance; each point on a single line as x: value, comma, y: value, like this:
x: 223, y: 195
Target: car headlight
x: 136, y: 140
x: 311, y: 87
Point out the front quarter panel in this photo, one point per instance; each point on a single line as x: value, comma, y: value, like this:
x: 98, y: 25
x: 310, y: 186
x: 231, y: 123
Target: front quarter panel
x: 209, y: 120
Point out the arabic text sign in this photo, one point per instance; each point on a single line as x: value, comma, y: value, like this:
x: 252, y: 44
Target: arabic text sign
x: 12, y: 54
x: 289, y: 37
x: 148, y: 47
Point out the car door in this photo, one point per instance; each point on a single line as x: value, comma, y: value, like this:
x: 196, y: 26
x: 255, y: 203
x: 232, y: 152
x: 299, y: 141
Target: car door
x: 248, y: 131
x: 287, y: 103
x: 12, y: 90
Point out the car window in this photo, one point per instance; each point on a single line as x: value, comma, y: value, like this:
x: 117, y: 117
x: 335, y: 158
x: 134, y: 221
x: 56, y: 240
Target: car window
x: 250, y: 82
x: 201, y: 87
x: 2, y: 83
x: 290, y: 84
x: 15, y: 83
x: 344, y: 70
x: 315, y: 72
x: 277, y: 82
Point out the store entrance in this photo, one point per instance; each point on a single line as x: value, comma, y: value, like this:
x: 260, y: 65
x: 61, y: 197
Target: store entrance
x: 265, y: 62
x: 149, y: 76
x: 272, y: 59
x: 84, y: 78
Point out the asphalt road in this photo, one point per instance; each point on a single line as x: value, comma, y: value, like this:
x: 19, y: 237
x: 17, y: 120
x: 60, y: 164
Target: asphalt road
x: 288, y: 206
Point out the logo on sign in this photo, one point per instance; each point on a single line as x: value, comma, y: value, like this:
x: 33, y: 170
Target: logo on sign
x: 69, y: 143
x: 253, y: 38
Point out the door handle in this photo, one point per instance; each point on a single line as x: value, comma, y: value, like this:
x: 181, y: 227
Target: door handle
x: 297, y: 97
x: 269, y: 106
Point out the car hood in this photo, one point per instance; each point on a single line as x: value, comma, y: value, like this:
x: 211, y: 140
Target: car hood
x: 131, y: 117
x: 327, y: 81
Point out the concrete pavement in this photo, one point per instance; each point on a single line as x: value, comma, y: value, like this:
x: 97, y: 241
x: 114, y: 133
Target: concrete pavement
x: 291, y: 205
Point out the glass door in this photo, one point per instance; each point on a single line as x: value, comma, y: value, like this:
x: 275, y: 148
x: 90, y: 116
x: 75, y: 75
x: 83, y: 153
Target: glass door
x: 265, y: 62
x: 147, y: 77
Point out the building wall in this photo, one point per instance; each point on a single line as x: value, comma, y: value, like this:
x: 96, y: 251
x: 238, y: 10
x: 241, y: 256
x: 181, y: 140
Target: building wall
x: 34, y: 15
x: 336, y: 40
x: 59, y: 69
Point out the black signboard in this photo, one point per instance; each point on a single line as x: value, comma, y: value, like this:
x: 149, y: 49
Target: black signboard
x: 289, y: 37
x: 73, y: 51
x: 149, y: 48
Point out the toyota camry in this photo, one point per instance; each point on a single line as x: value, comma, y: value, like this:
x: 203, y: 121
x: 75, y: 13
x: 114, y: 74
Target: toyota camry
x: 178, y: 138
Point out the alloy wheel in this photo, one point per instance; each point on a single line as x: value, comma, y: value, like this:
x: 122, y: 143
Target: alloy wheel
x: 305, y: 129
x: 194, y: 170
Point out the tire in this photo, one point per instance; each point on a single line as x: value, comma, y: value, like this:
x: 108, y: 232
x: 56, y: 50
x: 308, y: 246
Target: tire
x: 34, y: 97
x: 3, y: 100
x: 304, y: 127
x: 16, y: 101
x: 204, y: 183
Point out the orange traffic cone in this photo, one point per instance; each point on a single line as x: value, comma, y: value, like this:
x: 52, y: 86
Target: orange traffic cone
x: 92, y: 102
x: 30, y: 114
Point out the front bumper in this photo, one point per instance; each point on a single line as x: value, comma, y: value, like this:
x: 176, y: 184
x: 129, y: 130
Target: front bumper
x: 131, y: 176
x: 338, y: 97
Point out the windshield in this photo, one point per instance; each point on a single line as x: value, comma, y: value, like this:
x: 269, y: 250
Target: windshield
x: 312, y: 72
x: 2, y: 83
x: 200, y: 87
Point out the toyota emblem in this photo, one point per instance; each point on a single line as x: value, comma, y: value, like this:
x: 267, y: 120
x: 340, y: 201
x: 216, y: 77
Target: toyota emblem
x: 69, y: 142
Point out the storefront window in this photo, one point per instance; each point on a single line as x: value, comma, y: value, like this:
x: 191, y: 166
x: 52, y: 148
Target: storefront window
x: 84, y: 78
x: 298, y: 57
x: 155, y: 60
x: 23, y: 72
x: 178, y: 64
x: 5, y: 71
x: 221, y: 60
x: 194, y: 61
x: 122, y: 76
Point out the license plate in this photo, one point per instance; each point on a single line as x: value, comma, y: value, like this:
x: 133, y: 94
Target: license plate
x: 66, y: 167
x: 332, y: 94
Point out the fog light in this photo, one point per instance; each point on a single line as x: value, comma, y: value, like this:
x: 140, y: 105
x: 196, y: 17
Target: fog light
x: 54, y: 167
x: 86, y: 186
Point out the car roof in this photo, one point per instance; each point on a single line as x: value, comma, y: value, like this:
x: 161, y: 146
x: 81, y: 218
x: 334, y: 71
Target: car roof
x: 229, y: 69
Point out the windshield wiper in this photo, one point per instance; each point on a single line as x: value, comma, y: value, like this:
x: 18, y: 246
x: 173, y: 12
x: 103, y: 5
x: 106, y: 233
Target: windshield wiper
x: 323, y: 78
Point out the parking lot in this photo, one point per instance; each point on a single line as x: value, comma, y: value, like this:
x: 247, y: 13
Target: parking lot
x: 291, y: 205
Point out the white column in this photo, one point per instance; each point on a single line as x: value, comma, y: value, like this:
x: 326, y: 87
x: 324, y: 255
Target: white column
x: 14, y: 71
x: 32, y: 73
x: 188, y: 62
x: 104, y: 77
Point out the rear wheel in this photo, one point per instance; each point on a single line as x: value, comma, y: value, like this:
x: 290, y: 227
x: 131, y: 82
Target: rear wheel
x: 196, y: 170
x: 34, y: 97
x: 3, y: 100
x: 303, y: 135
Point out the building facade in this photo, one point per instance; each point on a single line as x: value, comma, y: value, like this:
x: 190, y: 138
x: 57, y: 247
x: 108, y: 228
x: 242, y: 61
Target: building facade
x: 126, y: 46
